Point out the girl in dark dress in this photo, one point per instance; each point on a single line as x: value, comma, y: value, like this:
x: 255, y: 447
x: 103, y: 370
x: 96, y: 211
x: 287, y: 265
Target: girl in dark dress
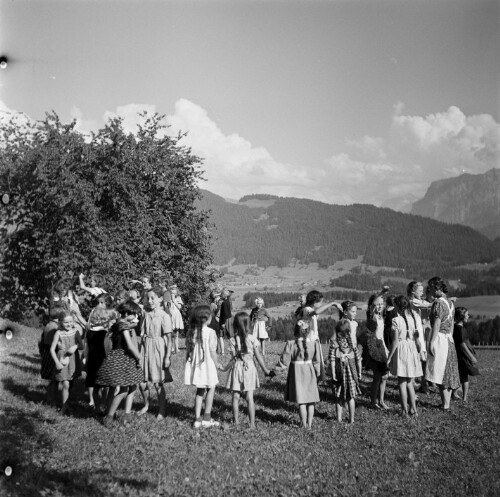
x: 467, y: 362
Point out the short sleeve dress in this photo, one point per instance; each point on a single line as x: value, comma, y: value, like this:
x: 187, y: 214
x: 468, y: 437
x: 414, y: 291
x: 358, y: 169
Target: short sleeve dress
x: 376, y: 354
x: 442, y: 367
x: 47, y: 368
x: 200, y: 369
x: 73, y: 369
x: 405, y: 362
x: 243, y: 375
x: 302, y: 357
x: 259, y: 319
x: 155, y: 326
x: 175, y: 313
x: 465, y: 368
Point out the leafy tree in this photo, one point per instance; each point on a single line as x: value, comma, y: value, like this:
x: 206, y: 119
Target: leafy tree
x: 113, y: 203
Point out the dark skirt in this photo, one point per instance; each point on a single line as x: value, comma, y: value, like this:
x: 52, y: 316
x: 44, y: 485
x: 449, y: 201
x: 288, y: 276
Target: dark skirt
x: 119, y: 369
x: 96, y: 355
x: 48, y: 367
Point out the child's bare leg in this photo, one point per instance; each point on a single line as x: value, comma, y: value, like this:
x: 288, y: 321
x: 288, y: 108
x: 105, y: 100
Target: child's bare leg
x: 338, y: 407
x: 263, y: 346
x: 303, y: 415
x: 90, y: 391
x: 375, y: 387
x: 64, y: 395
x: 236, y: 407
x: 209, y: 400
x: 162, y: 401
x: 411, y: 394
x: 221, y: 345
x: 310, y: 414
x: 445, y: 397
x: 176, y: 346
x: 144, y: 388
x: 403, y: 397
x: 130, y: 398
x: 352, y: 407
x: 117, y: 398
x: 198, y: 402
x: 465, y: 390
x: 251, y: 408
x: 381, y: 398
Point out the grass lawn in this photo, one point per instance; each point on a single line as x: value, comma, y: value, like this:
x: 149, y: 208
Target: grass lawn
x: 438, y: 453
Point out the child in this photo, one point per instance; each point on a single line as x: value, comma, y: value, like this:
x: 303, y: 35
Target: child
x: 259, y: 318
x: 298, y: 314
x: 467, y: 362
x: 64, y: 296
x: 201, y: 364
x: 175, y: 304
x: 121, y: 366
x: 348, y: 311
x: 404, y: 360
x: 47, y: 369
x: 100, y: 320
x: 63, y: 350
x: 135, y: 296
x: 243, y: 376
x: 345, y: 363
x: 303, y: 356
x: 156, y: 334
x: 226, y: 313
x: 93, y: 289
x: 376, y: 350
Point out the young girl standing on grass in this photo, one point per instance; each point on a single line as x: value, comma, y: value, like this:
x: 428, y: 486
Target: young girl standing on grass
x: 121, y: 367
x: 64, y: 351
x: 377, y: 352
x: 243, y: 377
x: 467, y: 362
x: 259, y: 318
x: 156, y: 334
x: 201, y: 364
x: 175, y: 304
x: 47, y: 368
x: 303, y: 358
x: 345, y: 363
x: 403, y: 360
x: 348, y: 311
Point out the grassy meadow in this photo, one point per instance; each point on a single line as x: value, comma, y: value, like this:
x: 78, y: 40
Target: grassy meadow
x: 439, y: 453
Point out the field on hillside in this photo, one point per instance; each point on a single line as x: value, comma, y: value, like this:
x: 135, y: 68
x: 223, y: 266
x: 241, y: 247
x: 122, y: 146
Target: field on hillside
x: 439, y: 453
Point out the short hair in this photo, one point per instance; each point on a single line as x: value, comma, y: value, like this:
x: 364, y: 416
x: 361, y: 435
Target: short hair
x: 437, y: 283
x: 460, y: 313
x: 129, y: 307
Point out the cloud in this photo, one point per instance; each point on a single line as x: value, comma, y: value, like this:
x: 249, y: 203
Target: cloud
x: 417, y: 151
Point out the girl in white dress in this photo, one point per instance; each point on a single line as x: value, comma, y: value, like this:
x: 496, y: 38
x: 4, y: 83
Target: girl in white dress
x: 260, y: 319
x: 202, y: 364
x: 175, y: 305
x: 404, y: 360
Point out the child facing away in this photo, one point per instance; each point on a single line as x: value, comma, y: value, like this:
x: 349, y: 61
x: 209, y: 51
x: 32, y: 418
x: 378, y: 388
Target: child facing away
x: 64, y: 351
x: 466, y: 355
x: 345, y: 363
x: 303, y: 359
x: 156, y: 349
x: 260, y: 318
x: 121, y: 367
x: 404, y: 359
x: 202, y: 364
x: 48, y: 366
x: 243, y: 377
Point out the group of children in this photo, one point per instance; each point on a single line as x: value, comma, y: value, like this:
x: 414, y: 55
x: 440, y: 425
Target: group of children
x: 127, y: 344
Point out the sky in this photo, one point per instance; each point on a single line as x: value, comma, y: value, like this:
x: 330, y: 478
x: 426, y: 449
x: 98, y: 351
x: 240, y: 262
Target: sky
x: 359, y: 101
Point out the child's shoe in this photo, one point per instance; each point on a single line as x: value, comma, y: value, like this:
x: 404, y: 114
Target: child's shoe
x: 197, y: 424
x: 209, y: 423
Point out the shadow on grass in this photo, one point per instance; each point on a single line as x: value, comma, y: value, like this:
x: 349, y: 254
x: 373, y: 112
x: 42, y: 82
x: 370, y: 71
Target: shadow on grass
x: 27, y: 357
x: 33, y: 370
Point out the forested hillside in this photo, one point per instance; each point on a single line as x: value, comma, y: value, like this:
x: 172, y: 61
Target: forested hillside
x: 311, y: 231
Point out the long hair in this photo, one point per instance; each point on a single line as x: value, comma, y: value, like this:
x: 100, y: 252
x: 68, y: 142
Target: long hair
x: 300, y: 340
x: 312, y: 297
x: 200, y: 315
x: 403, y: 308
x: 370, y: 307
x: 460, y: 313
x: 343, y: 330
x: 241, y: 325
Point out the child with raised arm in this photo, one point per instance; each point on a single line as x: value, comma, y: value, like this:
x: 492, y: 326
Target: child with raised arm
x: 345, y: 363
x: 202, y: 364
x: 243, y: 377
x: 303, y: 358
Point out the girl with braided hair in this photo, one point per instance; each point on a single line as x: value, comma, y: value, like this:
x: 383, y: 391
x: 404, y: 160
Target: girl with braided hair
x: 302, y: 356
x: 404, y: 359
x: 345, y: 363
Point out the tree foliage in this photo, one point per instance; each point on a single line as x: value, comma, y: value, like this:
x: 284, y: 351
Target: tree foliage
x: 114, y: 203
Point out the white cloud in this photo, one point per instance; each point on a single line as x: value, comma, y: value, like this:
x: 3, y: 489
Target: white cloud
x: 417, y: 151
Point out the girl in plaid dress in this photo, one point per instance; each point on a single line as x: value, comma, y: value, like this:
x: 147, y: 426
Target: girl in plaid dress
x: 345, y: 363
